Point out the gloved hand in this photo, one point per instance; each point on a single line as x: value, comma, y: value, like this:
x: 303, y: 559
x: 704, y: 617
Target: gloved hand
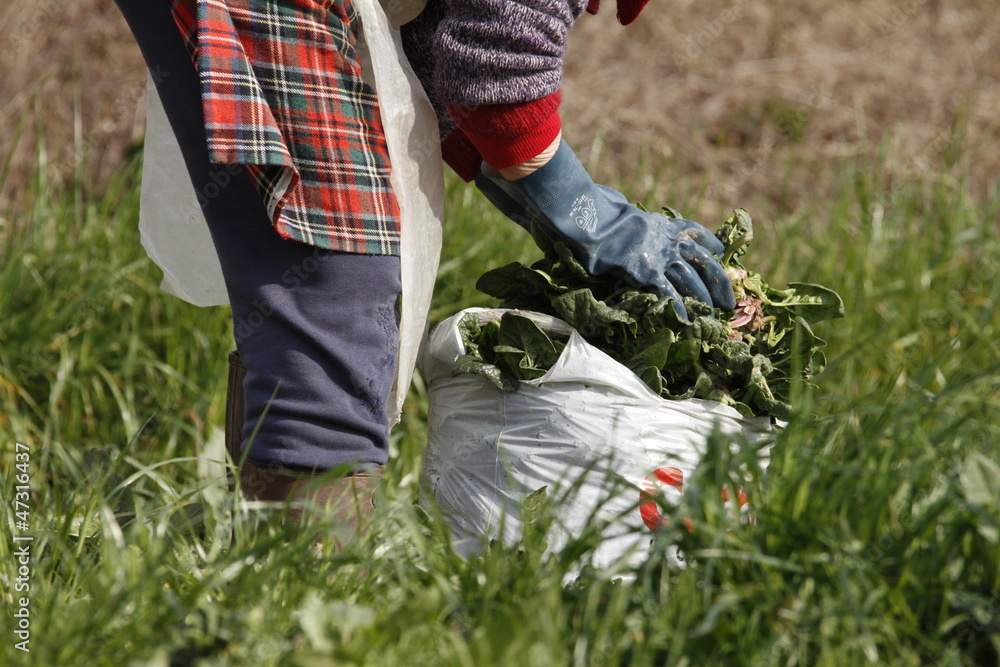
x: 609, y: 235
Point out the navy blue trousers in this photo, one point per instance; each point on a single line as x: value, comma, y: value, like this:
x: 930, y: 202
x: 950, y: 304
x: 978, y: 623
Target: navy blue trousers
x: 317, y: 329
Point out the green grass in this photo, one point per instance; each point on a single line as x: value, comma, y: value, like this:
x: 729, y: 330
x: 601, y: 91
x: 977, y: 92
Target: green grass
x: 877, y: 526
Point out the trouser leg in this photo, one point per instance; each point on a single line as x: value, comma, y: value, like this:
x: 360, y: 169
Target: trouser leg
x: 317, y: 330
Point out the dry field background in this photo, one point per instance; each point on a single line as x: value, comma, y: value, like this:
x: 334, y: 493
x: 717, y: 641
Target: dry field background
x: 755, y: 104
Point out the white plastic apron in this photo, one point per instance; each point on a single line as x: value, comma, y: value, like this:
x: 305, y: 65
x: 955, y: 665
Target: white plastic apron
x: 175, y: 235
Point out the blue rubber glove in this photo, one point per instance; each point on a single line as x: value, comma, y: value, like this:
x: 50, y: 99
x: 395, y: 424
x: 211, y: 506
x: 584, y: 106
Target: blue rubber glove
x: 609, y: 235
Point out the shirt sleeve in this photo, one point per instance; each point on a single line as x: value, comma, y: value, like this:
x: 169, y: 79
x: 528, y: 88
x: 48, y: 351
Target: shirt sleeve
x: 499, y: 67
x: 495, y: 71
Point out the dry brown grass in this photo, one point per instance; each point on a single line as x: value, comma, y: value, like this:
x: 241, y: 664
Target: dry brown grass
x: 73, y: 75
x: 734, y: 92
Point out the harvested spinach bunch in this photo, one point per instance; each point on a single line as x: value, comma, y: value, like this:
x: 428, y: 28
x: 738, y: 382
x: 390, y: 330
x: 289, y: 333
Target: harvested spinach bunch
x: 744, y: 358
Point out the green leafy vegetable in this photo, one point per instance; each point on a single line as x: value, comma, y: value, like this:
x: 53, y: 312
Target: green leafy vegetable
x: 504, y: 352
x: 745, y: 358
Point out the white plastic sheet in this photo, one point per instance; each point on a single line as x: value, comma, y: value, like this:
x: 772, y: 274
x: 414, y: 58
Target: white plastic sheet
x: 588, y: 421
x: 173, y: 229
x: 172, y: 226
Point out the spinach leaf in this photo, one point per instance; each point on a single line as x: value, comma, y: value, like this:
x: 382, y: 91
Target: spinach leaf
x: 746, y: 358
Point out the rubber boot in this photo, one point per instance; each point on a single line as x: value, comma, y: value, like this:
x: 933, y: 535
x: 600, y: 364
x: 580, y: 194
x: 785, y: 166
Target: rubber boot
x: 350, y: 500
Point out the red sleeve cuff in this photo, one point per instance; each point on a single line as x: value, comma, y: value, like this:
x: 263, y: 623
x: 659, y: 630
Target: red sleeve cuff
x: 509, y: 134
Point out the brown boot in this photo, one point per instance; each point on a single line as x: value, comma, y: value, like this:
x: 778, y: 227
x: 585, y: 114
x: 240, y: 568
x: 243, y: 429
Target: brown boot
x: 350, y: 500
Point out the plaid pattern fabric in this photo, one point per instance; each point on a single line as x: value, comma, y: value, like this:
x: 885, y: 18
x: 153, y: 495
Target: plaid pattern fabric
x: 283, y: 95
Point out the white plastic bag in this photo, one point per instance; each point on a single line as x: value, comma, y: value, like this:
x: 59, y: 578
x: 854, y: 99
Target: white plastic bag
x: 588, y: 422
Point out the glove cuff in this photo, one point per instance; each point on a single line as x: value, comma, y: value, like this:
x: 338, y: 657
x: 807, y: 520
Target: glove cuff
x: 562, y: 197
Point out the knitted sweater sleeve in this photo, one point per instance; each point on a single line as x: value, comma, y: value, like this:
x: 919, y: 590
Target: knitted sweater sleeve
x: 496, y: 68
x: 418, y: 37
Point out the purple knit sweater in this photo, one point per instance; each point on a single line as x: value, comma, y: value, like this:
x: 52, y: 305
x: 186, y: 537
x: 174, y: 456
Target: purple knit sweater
x: 502, y: 51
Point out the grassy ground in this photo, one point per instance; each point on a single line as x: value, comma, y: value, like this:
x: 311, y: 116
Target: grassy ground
x: 878, y: 532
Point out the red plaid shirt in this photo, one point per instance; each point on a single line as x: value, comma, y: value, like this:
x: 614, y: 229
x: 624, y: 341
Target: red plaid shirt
x: 282, y: 94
